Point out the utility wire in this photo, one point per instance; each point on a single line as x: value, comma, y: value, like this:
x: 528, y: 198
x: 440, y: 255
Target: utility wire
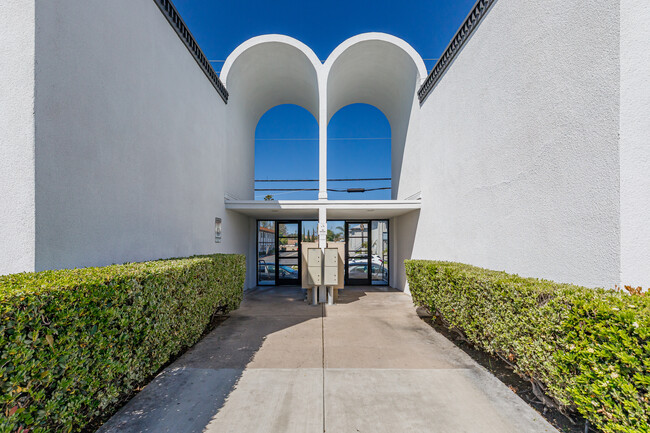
x: 223, y: 61
x: 277, y: 194
x: 329, y: 139
x: 350, y: 190
x: 329, y: 180
x: 323, y: 61
x: 286, y: 189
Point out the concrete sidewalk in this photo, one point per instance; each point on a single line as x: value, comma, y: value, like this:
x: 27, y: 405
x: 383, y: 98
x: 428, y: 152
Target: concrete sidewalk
x: 368, y: 364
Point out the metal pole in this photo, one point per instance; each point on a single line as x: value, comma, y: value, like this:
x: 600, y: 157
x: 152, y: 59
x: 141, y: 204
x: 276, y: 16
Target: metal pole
x: 322, y: 244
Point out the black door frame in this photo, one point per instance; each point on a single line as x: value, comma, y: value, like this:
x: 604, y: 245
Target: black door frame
x: 278, y: 280
x: 357, y: 281
x: 367, y: 281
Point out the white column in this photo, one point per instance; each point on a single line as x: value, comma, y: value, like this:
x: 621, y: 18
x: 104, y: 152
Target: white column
x: 322, y: 244
x: 322, y: 140
x: 322, y: 174
x: 322, y: 227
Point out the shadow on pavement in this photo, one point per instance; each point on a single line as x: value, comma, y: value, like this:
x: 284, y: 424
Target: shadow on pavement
x: 187, y: 395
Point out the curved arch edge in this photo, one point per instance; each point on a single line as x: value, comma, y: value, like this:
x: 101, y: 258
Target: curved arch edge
x: 264, y: 39
x: 381, y: 37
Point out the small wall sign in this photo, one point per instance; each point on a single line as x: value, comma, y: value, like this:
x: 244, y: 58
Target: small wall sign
x: 217, y: 230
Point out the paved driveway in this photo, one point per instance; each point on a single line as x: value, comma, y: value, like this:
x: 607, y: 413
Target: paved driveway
x: 368, y: 364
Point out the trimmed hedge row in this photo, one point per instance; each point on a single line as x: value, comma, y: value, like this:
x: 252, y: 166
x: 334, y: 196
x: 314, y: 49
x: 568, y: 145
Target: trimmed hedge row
x: 582, y: 349
x: 75, y: 343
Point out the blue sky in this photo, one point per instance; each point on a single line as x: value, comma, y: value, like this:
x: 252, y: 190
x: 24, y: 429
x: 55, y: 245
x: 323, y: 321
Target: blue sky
x: 286, y: 146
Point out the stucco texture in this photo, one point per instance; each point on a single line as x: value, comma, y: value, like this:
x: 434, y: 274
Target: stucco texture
x: 17, y: 228
x: 115, y: 146
x: 635, y: 143
x: 133, y: 155
x: 518, y: 146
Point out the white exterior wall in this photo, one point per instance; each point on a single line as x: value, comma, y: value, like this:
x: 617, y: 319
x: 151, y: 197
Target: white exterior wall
x: 518, y: 146
x: 115, y: 146
x: 635, y: 143
x: 403, y: 231
x: 16, y: 136
x: 133, y: 155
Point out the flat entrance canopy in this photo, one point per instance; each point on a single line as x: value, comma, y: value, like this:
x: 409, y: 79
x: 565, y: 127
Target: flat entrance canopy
x: 285, y: 230
x: 336, y: 209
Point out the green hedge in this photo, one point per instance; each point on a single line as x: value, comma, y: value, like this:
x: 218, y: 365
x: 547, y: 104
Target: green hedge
x: 76, y: 343
x: 586, y: 349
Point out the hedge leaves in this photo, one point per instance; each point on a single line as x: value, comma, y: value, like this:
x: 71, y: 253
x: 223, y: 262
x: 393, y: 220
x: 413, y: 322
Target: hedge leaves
x: 588, y: 349
x: 75, y: 343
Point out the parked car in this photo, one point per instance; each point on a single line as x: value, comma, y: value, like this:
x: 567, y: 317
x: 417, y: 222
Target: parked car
x: 266, y: 272
x: 288, y: 273
x: 359, y: 271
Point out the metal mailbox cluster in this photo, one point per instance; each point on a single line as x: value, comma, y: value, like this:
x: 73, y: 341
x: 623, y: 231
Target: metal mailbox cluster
x: 323, y: 269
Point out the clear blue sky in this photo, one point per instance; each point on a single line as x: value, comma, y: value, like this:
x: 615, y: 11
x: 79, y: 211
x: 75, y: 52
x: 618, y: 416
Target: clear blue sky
x: 286, y: 146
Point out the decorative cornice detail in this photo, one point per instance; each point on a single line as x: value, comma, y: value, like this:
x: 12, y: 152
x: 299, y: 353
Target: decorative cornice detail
x: 171, y: 13
x: 472, y: 21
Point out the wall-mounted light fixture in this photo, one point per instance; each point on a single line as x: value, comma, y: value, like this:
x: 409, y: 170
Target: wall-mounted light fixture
x: 217, y: 230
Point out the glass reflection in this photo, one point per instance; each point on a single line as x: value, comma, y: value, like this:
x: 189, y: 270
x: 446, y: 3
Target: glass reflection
x: 379, y: 252
x: 266, y: 252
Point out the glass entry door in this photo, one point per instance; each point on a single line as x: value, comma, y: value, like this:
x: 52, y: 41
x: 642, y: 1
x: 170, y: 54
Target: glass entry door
x: 288, y: 257
x: 357, y: 260
x: 279, y: 250
x: 379, y: 252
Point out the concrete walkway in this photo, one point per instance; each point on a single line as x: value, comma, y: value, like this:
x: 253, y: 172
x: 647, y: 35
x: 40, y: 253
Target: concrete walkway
x: 368, y: 364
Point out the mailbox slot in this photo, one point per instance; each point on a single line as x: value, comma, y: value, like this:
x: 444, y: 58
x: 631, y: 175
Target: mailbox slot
x: 331, y: 276
x: 331, y: 267
x: 331, y: 257
x: 314, y: 267
x: 314, y: 257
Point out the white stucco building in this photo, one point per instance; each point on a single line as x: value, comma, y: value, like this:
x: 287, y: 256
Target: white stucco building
x: 526, y: 149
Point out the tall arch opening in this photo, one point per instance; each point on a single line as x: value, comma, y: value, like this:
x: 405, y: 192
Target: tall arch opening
x: 383, y: 71
x: 263, y: 73
x: 363, y: 99
x: 359, y: 150
x: 286, y: 148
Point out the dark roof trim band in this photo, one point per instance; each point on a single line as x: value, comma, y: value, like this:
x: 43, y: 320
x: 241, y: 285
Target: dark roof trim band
x: 169, y: 10
x: 471, y: 23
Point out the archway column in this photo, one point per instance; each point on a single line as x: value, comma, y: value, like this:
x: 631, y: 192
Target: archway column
x: 322, y: 244
x: 322, y: 173
x: 322, y: 137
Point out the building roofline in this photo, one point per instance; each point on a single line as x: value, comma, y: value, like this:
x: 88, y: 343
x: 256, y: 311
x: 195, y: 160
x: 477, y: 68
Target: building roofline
x: 176, y: 21
x: 474, y: 18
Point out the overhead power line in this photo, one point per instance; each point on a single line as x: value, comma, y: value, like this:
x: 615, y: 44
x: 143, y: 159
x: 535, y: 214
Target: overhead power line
x: 352, y: 190
x: 329, y: 139
x: 223, y: 61
x: 348, y: 190
x: 329, y: 180
x: 286, y: 189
